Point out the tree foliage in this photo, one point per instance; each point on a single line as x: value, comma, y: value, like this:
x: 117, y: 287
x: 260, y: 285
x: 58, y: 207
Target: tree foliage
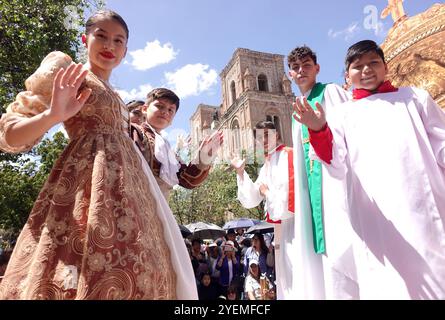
x: 213, y: 201
x: 21, y: 181
x: 49, y: 151
x: 29, y: 30
x: 19, y: 186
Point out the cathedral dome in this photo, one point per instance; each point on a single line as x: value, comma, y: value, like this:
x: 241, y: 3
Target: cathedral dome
x: 415, y: 51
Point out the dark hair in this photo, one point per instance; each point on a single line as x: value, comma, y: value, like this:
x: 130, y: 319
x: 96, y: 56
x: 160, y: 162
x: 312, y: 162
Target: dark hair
x: 233, y: 288
x: 359, y: 49
x: 263, y: 246
x: 265, y: 125
x: 299, y: 53
x: 196, y: 240
x: 101, y: 14
x: 137, y: 112
x: 247, y: 242
x: 162, y: 93
x: 230, y: 231
x: 134, y: 104
x: 201, y: 276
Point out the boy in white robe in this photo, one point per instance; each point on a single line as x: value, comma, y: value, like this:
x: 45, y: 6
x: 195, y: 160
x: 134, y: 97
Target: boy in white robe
x: 391, y: 143
x: 319, y: 269
x: 275, y: 184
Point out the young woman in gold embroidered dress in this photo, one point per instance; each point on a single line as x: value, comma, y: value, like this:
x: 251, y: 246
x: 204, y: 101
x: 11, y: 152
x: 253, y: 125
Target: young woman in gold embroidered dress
x: 99, y: 228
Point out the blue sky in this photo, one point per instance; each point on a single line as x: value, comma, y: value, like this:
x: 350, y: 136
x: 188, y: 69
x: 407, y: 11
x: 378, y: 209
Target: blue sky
x: 184, y: 45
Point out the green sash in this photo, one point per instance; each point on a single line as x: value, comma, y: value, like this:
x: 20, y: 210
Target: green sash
x: 313, y: 171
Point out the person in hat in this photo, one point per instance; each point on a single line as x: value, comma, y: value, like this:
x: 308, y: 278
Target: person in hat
x: 228, y: 265
x: 231, y: 236
x: 257, y: 286
x: 240, y: 276
x: 213, y: 253
x: 260, y: 252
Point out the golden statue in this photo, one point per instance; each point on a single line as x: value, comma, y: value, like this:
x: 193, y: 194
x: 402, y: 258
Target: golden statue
x: 264, y: 287
x: 395, y: 7
x: 415, y: 49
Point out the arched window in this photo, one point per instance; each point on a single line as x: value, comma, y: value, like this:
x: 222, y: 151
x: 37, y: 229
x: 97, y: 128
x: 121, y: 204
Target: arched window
x: 233, y: 91
x: 262, y: 83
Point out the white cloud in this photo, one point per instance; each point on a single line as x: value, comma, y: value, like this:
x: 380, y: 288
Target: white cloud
x: 154, y: 54
x: 191, y: 80
x: 133, y: 94
x: 347, y: 33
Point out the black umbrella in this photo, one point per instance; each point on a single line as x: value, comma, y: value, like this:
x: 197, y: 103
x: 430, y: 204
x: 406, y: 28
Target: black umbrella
x: 205, y: 230
x: 184, y: 231
x: 240, y: 223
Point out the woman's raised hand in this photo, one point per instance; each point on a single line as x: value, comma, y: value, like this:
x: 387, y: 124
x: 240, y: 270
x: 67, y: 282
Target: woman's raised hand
x: 66, y: 100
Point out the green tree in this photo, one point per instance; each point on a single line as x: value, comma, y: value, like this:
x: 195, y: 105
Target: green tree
x: 29, y: 30
x: 20, y: 182
x: 49, y: 151
x: 19, y: 186
x: 211, y: 201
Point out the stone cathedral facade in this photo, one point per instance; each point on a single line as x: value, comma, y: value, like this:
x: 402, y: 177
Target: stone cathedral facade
x: 255, y: 87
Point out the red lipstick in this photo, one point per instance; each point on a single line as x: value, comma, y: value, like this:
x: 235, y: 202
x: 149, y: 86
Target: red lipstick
x: 107, y: 55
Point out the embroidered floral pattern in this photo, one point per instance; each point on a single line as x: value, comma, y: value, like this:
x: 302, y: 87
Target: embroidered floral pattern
x: 95, y: 212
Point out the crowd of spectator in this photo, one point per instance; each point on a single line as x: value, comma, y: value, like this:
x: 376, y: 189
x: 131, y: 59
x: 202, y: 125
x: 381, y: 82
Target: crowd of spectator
x: 235, y: 267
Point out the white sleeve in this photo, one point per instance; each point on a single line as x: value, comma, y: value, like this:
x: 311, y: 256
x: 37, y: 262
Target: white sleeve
x: 248, y: 287
x: 335, y: 95
x: 277, y: 202
x: 338, y: 168
x: 433, y: 118
x: 277, y: 197
x: 248, y: 192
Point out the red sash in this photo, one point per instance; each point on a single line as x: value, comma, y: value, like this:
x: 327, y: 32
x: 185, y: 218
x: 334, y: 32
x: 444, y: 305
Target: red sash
x: 290, y: 166
x: 384, y: 87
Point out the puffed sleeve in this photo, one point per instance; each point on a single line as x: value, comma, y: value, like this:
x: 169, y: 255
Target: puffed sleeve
x: 35, y: 99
